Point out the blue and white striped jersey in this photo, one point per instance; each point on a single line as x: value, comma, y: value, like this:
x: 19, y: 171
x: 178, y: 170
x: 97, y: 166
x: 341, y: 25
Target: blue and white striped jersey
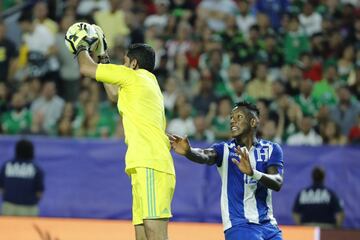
x: 243, y: 199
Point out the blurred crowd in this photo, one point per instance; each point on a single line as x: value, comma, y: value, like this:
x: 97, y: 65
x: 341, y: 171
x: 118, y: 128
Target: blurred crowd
x: 298, y: 60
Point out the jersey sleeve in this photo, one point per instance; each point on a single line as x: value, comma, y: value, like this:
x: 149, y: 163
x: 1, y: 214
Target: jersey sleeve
x: 276, y: 158
x: 114, y: 74
x: 219, y: 149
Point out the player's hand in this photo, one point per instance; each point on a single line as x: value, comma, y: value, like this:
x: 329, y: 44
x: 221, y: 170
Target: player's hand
x: 244, y: 163
x: 81, y: 34
x: 100, y: 49
x: 179, y: 144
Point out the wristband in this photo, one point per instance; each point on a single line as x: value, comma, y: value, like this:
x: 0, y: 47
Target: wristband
x: 80, y: 49
x: 104, y: 59
x: 257, y: 175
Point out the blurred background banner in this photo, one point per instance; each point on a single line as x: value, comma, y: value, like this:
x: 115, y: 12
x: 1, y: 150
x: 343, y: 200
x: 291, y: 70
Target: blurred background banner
x: 86, y: 179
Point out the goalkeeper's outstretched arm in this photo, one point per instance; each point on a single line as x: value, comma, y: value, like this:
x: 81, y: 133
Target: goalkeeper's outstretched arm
x: 87, y: 65
x: 110, y: 89
x: 88, y: 69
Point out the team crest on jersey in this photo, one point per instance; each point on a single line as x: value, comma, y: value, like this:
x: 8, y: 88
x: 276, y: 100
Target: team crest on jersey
x: 262, y: 154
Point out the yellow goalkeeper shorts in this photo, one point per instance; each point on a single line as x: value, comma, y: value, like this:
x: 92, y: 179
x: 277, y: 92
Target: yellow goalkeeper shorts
x: 152, y: 194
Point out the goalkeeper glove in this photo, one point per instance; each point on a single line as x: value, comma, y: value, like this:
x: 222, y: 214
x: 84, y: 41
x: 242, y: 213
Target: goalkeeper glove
x: 101, y: 47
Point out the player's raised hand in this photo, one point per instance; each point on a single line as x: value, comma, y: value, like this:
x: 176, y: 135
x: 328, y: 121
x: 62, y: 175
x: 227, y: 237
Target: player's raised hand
x: 81, y: 35
x: 179, y: 144
x: 244, y: 163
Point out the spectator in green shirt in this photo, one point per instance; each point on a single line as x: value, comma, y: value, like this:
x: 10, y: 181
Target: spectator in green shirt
x: 108, y: 119
x: 98, y: 122
x: 18, y: 119
x: 295, y: 41
x: 323, y: 92
x: 304, y: 99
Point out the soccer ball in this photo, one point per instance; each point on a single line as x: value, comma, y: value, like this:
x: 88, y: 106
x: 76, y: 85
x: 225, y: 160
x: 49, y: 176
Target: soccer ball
x: 78, y: 31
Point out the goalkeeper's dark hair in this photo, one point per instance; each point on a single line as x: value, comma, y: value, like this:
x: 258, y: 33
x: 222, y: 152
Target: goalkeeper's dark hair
x: 24, y: 150
x: 144, y: 54
x: 250, y: 107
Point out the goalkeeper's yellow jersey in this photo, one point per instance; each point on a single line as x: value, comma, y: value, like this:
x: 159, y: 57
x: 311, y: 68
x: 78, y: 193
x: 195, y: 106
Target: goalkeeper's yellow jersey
x: 140, y: 103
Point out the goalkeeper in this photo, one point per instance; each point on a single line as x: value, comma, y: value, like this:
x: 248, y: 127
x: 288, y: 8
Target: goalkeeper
x: 140, y: 103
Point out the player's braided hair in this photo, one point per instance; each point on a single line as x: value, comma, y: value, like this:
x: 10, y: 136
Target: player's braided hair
x: 252, y: 108
x: 144, y: 54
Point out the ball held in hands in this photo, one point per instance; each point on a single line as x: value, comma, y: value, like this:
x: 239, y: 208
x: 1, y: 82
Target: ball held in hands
x: 81, y: 34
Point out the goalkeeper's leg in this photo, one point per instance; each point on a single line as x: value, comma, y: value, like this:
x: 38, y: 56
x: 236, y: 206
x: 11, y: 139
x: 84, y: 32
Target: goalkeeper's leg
x: 152, y: 230
x: 140, y: 232
x: 156, y: 229
x: 152, y: 195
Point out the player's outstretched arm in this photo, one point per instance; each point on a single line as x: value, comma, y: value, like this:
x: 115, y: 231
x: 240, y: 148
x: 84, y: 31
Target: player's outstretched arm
x: 87, y: 65
x: 110, y: 89
x: 103, y: 57
x: 182, y: 146
x: 88, y: 68
x: 272, y: 179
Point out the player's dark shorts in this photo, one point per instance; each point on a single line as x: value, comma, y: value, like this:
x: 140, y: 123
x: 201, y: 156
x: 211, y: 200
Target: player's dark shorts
x: 252, y: 231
